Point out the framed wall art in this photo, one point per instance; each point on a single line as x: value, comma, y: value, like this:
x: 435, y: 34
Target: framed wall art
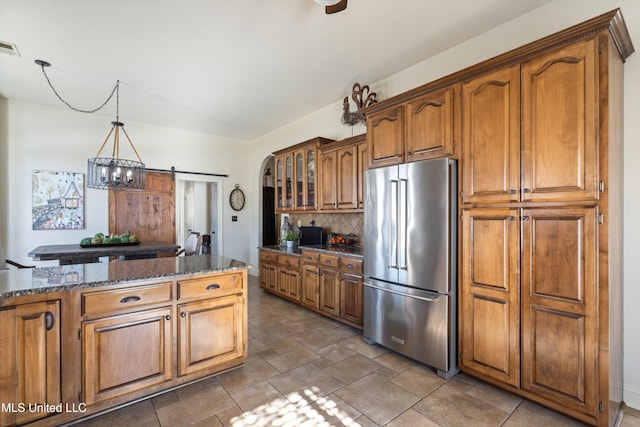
x: 57, y: 201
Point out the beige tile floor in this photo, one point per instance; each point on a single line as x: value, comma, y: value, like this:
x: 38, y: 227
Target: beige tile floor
x: 306, y: 370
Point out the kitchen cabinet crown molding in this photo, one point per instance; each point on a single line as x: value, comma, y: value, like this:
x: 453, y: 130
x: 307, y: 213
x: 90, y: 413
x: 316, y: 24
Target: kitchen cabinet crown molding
x: 612, y: 21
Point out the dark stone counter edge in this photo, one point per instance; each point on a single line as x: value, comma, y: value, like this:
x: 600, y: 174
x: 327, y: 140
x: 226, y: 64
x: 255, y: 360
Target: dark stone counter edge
x: 68, y: 287
x: 357, y: 251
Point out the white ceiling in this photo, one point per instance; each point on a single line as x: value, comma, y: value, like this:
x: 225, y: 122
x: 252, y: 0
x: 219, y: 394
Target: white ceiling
x: 235, y: 68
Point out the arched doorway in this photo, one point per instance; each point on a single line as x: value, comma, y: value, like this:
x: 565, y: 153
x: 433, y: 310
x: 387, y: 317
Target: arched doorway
x: 268, y: 232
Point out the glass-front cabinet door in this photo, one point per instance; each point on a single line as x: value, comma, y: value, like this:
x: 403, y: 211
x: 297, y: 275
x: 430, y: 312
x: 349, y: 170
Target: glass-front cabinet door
x: 299, y: 184
x: 311, y: 179
x: 279, y: 178
x: 288, y: 176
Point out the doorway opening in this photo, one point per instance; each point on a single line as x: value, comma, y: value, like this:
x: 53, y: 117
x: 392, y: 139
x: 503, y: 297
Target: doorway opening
x: 198, y: 209
x: 267, y: 205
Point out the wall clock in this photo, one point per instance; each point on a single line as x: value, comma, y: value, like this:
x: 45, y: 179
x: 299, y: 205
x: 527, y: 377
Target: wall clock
x: 236, y: 198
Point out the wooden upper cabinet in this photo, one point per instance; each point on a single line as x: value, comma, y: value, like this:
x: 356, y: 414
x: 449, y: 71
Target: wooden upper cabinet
x: 385, y: 136
x: 560, y: 158
x: 341, y: 172
x: 284, y: 182
x: 297, y: 176
x: 304, y: 184
x: 347, y: 161
x: 491, y: 134
x: 363, y: 165
x: 328, y: 180
x: 420, y: 129
x: 430, y: 125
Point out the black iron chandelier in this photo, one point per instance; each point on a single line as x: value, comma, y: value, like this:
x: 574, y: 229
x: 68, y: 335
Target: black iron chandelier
x: 109, y: 172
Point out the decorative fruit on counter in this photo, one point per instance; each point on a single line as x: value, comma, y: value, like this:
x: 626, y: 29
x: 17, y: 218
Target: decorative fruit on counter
x: 102, y: 239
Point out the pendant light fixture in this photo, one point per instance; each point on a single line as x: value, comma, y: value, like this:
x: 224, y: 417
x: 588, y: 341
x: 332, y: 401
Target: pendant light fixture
x: 109, y: 172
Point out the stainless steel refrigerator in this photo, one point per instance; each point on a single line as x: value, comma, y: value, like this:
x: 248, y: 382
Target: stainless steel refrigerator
x: 410, y: 261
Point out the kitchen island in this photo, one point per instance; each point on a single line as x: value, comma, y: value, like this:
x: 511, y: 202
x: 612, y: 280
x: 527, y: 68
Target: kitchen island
x: 80, y: 339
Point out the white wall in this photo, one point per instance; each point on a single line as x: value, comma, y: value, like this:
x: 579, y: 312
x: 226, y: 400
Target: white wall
x: 540, y: 22
x: 58, y: 139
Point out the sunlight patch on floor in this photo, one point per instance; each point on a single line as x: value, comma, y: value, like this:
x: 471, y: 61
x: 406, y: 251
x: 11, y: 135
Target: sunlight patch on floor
x: 306, y: 409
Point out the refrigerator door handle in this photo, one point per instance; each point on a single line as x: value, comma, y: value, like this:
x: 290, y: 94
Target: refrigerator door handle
x: 403, y: 212
x: 391, y: 291
x: 393, y: 225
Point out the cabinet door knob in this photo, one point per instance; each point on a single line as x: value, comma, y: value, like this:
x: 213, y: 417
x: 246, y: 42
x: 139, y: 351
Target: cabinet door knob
x: 183, y: 314
x: 167, y: 317
x: 49, y: 320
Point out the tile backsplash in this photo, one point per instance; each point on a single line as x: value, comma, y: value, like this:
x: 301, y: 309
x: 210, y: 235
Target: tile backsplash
x: 343, y: 223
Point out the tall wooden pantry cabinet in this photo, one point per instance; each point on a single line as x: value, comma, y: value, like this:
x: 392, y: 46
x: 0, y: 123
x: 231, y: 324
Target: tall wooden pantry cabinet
x: 540, y: 226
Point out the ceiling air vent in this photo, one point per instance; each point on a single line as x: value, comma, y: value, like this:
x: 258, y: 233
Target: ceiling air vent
x: 9, y: 48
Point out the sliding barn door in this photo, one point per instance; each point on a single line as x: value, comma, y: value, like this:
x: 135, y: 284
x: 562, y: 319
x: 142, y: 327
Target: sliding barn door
x: 150, y: 213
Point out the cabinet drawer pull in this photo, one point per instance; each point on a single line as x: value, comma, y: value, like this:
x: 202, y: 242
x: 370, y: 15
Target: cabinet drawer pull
x: 49, y: 320
x: 212, y: 286
x: 526, y: 190
x: 512, y: 191
x: 327, y: 261
x: 349, y: 265
x: 132, y: 298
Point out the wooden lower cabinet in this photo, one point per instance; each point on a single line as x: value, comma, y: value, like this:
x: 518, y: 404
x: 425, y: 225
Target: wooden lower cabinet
x: 310, y: 286
x: 268, y: 276
x: 529, y: 307
x: 559, y: 306
x: 126, y: 353
x: 218, y: 319
x: 330, y: 291
x: 490, y: 293
x: 29, y: 360
x: 351, y: 298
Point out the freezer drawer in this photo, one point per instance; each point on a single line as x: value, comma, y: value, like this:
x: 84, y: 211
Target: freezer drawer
x: 412, y: 322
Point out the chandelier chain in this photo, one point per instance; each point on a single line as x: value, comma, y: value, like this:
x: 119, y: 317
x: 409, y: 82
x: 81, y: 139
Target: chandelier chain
x: 116, y: 90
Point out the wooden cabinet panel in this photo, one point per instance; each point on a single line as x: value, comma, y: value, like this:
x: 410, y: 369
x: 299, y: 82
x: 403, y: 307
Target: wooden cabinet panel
x: 363, y: 165
x: 491, y: 294
x: 430, y: 125
x: 327, y: 260
x: 351, y: 298
x: 29, y: 359
x: 126, y: 353
x: 220, y: 321
x: 310, y: 286
x: 559, y: 320
x: 385, y: 137
x: 347, y: 186
x: 491, y: 131
x: 560, y: 157
x: 328, y: 180
x: 330, y: 291
x: 268, y: 276
x: 122, y: 299
x: 209, y: 286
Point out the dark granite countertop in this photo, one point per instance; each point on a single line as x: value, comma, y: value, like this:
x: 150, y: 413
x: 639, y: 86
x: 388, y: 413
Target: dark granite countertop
x: 333, y: 249
x: 30, y: 281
